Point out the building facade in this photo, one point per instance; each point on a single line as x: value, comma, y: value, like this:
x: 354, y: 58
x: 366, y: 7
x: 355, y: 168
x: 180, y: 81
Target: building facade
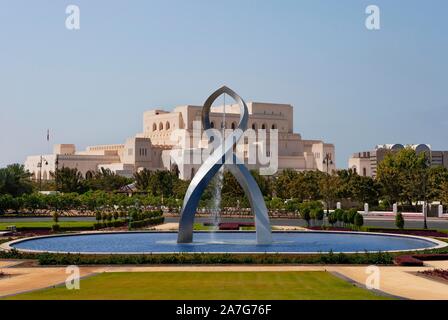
x: 365, y: 163
x: 152, y: 148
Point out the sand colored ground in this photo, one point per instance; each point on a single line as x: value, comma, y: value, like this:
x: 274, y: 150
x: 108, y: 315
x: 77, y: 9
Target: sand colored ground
x: 398, y: 281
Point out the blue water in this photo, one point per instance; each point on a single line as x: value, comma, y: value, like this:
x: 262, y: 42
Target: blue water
x: 146, y: 242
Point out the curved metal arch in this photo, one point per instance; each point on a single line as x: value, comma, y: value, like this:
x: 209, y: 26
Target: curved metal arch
x: 211, y: 166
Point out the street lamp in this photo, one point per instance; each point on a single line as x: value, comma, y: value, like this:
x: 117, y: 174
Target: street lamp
x: 327, y: 161
x: 40, y: 171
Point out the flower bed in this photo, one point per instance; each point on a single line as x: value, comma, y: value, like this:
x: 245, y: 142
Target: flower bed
x: 437, y: 273
x: 416, y: 260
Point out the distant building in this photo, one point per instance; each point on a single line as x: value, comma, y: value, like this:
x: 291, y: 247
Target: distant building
x: 151, y: 148
x: 365, y: 163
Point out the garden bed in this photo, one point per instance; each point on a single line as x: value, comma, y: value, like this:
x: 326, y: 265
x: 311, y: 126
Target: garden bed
x: 416, y: 260
x: 436, y: 274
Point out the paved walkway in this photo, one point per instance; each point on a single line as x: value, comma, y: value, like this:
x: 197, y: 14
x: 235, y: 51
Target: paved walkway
x: 399, y: 281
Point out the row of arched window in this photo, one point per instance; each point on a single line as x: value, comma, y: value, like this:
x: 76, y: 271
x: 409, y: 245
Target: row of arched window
x: 167, y: 126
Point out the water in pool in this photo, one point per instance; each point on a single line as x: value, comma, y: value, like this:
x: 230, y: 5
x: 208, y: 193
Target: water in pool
x: 146, y: 242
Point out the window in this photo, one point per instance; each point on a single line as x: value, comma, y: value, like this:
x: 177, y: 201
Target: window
x: 263, y: 126
x: 212, y: 124
x: 154, y: 127
x: 160, y: 126
x: 254, y: 126
x: 364, y: 172
x: 233, y: 125
x: 274, y: 126
x: 167, y: 126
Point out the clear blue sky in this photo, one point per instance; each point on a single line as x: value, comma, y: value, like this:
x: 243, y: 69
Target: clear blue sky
x: 349, y: 86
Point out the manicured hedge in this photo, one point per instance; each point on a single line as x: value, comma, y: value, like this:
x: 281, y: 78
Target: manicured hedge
x: 109, y: 224
x: 146, y: 222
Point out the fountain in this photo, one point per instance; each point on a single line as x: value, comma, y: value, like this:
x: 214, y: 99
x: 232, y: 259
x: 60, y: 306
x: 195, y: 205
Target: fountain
x: 213, y: 164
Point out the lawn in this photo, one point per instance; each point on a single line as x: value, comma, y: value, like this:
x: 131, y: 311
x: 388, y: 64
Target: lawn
x: 47, y: 224
x: 314, y: 285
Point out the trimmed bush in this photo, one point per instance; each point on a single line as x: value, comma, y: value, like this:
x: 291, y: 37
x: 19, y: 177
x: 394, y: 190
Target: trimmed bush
x: 358, y: 220
x: 399, y: 221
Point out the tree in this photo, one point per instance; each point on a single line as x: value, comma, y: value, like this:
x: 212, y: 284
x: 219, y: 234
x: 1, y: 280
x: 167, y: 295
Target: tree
x: 284, y: 184
x: 403, y: 176
x: 105, y: 180
x: 142, y: 179
x: 437, y: 178
x: 68, y: 179
x: 15, y: 180
x: 444, y: 192
x: 329, y: 185
x: 364, y: 189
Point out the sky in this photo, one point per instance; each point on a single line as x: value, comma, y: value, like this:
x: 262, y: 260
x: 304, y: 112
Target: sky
x: 349, y: 86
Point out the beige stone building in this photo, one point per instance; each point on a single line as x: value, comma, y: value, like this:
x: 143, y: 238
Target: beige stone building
x: 152, y: 148
x: 365, y: 163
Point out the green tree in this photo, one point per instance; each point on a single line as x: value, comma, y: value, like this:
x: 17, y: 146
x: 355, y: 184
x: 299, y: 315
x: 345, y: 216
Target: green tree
x: 15, y: 180
x: 444, y: 192
x: 403, y: 176
x: 105, y: 180
x: 68, y: 179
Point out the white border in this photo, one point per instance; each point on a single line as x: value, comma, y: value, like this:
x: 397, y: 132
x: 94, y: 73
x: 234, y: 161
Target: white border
x: 7, y: 246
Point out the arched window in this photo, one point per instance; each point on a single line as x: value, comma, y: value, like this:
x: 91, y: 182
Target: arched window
x: 233, y: 125
x: 154, y: 127
x: 160, y: 126
x: 212, y: 124
x: 364, y: 172
x: 274, y: 126
x: 254, y: 126
x: 263, y: 126
x: 167, y: 126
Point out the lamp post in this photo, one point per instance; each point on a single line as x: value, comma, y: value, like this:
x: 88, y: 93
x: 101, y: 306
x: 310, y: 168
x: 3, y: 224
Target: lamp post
x: 40, y: 170
x: 425, y: 205
x: 327, y: 161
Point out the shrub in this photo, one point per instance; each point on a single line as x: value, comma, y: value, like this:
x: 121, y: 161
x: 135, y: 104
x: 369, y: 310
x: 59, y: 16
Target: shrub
x: 399, y: 220
x: 351, y: 214
x: 332, y: 218
x: 306, y: 215
x: 358, y: 220
x: 98, y: 216
x: 339, y: 215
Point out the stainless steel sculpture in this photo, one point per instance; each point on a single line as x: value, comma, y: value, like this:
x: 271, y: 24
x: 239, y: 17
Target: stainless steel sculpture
x: 211, y: 166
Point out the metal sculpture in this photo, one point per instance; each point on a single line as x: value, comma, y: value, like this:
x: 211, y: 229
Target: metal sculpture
x: 212, y: 165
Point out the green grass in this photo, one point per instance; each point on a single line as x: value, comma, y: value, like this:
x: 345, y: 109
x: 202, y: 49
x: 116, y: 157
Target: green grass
x: 201, y: 227
x: 314, y: 285
x: 47, y: 224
